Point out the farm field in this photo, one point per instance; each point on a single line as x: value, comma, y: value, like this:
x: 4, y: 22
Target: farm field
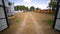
x: 30, y: 23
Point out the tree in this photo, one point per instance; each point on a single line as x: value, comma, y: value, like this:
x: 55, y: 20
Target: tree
x: 21, y: 7
x: 16, y: 8
x: 37, y: 8
x: 26, y: 8
x: 32, y: 8
x: 52, y: 5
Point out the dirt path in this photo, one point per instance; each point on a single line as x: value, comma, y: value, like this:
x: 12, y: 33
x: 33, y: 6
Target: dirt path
x: 30, y: 24
x: 36, y: 25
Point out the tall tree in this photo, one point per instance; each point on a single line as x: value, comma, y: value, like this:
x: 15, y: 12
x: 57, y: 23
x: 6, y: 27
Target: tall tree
x: 32, y: 8
x: 52, y: 5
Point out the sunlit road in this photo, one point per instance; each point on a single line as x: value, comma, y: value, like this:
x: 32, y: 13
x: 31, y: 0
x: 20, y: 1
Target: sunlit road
x: 30, y: 24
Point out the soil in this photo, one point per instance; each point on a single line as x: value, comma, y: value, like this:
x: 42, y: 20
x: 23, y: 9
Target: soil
x: 30, y: 23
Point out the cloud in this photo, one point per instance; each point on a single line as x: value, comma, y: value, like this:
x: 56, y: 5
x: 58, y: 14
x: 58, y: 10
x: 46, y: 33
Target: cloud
x: 29, y: 4
x: 48, y: 1
x: 27, y: 0
x: 41, y: 6
x: 15, y: 4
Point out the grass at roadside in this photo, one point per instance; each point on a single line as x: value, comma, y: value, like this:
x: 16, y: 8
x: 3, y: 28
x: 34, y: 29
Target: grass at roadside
x: 52, y: 14
x: 49, y: 21
x: 17, y: 20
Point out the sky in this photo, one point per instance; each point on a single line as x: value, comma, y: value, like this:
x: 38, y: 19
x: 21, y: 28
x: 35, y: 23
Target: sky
x: 28, y: 3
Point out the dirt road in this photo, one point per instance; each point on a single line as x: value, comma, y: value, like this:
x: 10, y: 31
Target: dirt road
x: 30, y: 23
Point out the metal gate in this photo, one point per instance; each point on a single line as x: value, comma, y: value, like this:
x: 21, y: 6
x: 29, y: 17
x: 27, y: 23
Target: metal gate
x: 3, y: 16
x: 57, y: 17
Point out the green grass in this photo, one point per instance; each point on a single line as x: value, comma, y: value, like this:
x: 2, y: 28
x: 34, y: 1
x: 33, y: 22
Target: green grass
x: 52, y: 14
x: 17, y: 20
x: 49, y: 21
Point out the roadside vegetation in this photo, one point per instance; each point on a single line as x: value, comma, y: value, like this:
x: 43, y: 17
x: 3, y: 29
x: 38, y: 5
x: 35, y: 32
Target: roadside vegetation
x: 49, y: 21
x: 22, y: 7
x: 52, y: 5
x: 17, y: 20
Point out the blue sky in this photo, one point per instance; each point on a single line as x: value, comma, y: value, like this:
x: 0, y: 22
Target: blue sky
x: 36, y: 3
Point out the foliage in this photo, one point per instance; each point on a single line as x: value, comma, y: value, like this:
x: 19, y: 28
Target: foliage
x: 52, y: 5
x: 21, y: 7
x: 16, y: 8
x: 17, y: 20
x: 26, y: 8
x: 49, y: 21
x: 32, y: 8
x: 37, y: 8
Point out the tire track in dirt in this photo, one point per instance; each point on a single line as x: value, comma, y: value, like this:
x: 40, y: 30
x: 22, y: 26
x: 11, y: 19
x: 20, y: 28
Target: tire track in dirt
x: 23, y: 25
x: 36, y: 25
x: 29, y: 29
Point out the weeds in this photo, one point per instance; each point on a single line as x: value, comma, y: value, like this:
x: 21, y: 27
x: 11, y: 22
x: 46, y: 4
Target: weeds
x: 17, y: 20
x: 49, y: 21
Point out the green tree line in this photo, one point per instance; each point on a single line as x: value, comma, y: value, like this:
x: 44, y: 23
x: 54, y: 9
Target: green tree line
x: 22, y: 7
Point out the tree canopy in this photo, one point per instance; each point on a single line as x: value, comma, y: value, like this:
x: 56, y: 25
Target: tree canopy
x: 52, y: 5
x: 37, y: 8
x: 32, y: 8
x: 21, y: 7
